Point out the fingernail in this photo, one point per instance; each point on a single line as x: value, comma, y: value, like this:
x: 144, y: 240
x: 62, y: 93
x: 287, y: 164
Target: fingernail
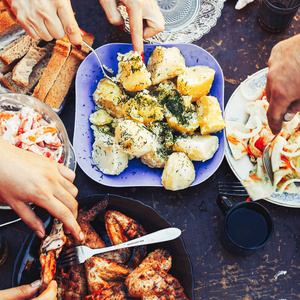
x: 40, y: 234
x: 288, y: 117
x: 36, y: 283
x: 82, y: 32
x: 143, y: 57
x: 121, y: 27
x: 78, y: 47
x: 81, y: 236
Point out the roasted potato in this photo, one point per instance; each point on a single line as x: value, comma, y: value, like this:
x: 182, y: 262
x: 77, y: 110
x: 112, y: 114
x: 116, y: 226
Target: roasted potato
x: 133, y: 138
x: 107, y: 157
x: 100, y: 117
x: 143, y: 108
x: 165, y: 63
x: 157, y: 157
x: 110, y: 97
x: 178, y: 173
x: 132, y: 72
x: 195, y: 81
x: 197, y: 147
x: 209, y: 115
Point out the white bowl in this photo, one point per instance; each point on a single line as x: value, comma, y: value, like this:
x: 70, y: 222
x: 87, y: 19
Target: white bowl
x: 12, y: 101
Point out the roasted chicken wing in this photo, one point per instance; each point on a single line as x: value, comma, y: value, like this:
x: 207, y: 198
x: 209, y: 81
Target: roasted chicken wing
x: 99, y: 271
x: 116, y: 291
x: 151, y: 281
x: 49, y: 251
x: 120, y: 229
x: 71, y: 284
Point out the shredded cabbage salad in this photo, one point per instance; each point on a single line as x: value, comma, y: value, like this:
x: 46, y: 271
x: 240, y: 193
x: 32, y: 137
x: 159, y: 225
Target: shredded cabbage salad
x: 252, y: 138
x: 27, y: 130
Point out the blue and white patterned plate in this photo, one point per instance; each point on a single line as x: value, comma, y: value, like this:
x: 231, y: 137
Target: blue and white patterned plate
x: 235, y: 111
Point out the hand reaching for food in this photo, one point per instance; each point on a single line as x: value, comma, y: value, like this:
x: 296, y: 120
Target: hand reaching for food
x: 283, y: 83
x: 47, y: 19
x: 138, y: 10
x: 30, y: 178
x: 29, y: 290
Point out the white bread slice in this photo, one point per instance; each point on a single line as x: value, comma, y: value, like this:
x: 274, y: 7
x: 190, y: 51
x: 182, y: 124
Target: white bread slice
x: 67, y: 73
x: 23, y: 69
x: 61, y: 52
x: 3, y: 66
x: 34, y: 77
x: 18, y: 49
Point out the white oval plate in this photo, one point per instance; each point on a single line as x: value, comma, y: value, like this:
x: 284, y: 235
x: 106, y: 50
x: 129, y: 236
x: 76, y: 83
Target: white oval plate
x: 235, y: 111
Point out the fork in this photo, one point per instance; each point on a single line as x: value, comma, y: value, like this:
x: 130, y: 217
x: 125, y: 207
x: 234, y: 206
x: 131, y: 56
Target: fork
x: 231, y: 188
x: 100, y: 63
x: 80, y: 254
x: 266, y: 159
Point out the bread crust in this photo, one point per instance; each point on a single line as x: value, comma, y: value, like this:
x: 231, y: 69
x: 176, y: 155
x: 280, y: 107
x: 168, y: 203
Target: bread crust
x: 61, y: 52
x: 61, y: 86
x: 8, y: 23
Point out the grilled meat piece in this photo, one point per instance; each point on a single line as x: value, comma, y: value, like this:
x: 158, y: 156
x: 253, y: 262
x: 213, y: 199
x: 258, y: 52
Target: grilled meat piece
x: 120, y: 229
x: 99, y: 269
x: 151, y: 281
x: 92, y: 239
x: 116, y: 291
x: 71, y: 284
x: 49, y: 251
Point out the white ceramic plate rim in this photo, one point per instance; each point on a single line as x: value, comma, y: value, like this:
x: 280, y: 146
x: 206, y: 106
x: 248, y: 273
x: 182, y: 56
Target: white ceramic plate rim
x: 242, y: 167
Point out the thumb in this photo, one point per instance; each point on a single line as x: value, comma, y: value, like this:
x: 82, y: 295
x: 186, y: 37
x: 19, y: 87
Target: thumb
x: 21, y: 292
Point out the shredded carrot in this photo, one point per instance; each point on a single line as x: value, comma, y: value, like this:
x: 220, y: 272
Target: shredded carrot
x: 248, y: 199
x: 232, y: 140
x: 287, y: 162
x: 254, y: 177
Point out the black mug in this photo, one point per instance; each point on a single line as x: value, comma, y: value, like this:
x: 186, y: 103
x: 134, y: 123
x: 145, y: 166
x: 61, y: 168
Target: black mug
x: 276, y: 15
x: 248, y: 226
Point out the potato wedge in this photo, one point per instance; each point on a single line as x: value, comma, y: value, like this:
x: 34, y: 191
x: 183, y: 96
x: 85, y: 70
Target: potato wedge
x: 195, y: 81
x: 197, y: 147
x: 109, y: 96
x: 178, y: 173
x: 209, y: 115
x: 165, y: 63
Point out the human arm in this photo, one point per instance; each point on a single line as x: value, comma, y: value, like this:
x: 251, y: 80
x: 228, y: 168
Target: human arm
x: 283, y: 82
x: 27, y: 177
x: 28, y: 291
x: 47, y: 19
x: 138, y: 10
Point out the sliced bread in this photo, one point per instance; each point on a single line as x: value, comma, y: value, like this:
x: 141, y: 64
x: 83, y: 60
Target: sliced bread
x: 23, y: 69
x: 8, y: 23
x: 66, y: 75
x: 3, y: 66
x: 61, y: 52
x: 17, y: 49
x: 34, y: 77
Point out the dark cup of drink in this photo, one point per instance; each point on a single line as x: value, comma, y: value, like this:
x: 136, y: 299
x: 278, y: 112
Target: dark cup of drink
x: 276, y: 15
x: 248, y: 226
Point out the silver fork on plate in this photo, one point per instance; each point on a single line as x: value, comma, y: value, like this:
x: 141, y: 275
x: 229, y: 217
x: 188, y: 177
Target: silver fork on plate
x: 266, y: 159
x: 231, y: 188
x: 80, y: 254
x: 104, y: 71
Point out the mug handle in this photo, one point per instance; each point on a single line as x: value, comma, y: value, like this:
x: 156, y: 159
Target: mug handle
x: 224, y: 204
